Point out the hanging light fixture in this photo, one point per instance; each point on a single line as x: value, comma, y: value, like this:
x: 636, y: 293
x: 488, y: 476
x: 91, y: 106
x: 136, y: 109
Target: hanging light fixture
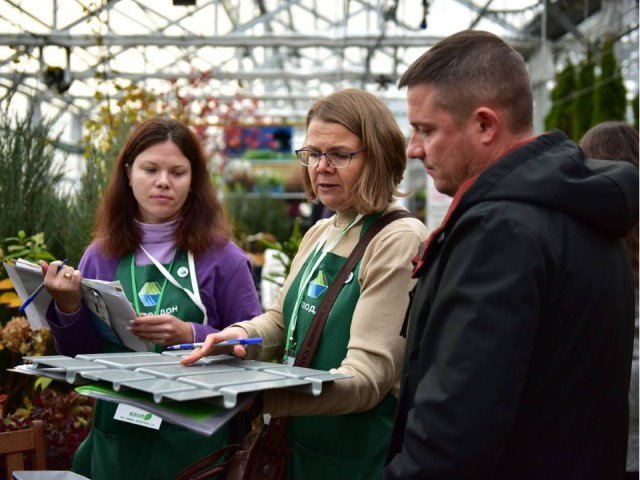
x: 425, y: 12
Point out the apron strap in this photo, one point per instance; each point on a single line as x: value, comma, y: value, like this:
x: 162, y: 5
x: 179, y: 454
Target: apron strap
x: 195, y: 295
x: 311, y: 339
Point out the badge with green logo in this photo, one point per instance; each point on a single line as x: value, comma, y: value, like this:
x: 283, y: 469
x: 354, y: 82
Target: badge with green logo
x: 137, y: 416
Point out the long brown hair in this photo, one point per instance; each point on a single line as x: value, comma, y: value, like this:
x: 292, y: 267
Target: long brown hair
x: 615, y: 141
x: 202, y: 221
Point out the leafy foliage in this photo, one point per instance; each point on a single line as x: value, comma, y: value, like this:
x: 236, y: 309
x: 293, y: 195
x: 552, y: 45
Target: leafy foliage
x: 31, y: 248
x: 16, y: 336
x: 31, y: 189
x: 287, y: 250
x: 258, y: 213
x: 18, y: 339
x: 610, y: 96
x: 582, y: 107
x: 560, y: 116
x: 67, y: 416
x: 593, y: 94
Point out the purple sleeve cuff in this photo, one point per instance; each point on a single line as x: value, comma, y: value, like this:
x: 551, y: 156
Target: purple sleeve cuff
x: 73, y: 333
x: 201, y: 331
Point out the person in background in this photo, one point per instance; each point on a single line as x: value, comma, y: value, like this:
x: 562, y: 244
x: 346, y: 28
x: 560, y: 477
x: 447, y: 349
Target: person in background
x: 159, y: 210
x: 520, y: 332
x: 619, y: 141
x: 353, y: 161
x: 320, y: 211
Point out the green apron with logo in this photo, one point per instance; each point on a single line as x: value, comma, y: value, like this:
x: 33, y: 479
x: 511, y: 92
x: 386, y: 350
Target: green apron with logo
x: 352, y: 446
x: 120, y: 450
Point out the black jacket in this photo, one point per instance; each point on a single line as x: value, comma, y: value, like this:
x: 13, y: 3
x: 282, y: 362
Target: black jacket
x: 521, y: 328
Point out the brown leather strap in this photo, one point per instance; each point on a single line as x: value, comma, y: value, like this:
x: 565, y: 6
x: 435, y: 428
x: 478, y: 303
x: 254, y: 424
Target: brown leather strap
x: 278, y: 427
x: 311, y: 339
x: 207, y: 466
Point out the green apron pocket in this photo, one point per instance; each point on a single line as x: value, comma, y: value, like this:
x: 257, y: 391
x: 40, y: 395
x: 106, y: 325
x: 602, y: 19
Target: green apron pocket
x: 120, y: 456
x: 321, y: 467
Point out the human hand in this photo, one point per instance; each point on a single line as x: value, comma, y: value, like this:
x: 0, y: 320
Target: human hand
x: 208, y: 348
x: 162, y: 329
x: 63, y: 285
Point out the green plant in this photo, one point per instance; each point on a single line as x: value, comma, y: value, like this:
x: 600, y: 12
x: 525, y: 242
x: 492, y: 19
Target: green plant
x: 582, y: 105
x: 561, y: 116
x: 610, y: 97
x: 269, y: 183
x: 257, y: 213
x: 286, y: 251
x: 581, y: 100
x: 32, y: 192
x: 32, y: 248
x: 16, y: 336
x: 263, y: 155
x: 67, y: 416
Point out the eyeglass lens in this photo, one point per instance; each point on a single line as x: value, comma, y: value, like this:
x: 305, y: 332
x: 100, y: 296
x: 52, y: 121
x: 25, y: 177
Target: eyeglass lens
x: 335, y: 159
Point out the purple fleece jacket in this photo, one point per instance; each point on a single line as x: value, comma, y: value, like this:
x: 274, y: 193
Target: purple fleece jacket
x: 226, y: 288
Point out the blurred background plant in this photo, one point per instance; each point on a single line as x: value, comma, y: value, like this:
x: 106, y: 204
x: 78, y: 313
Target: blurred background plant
x: 32, y: 194
x: 17, y: 339
x: 257, y: 213
x: 67, y: 415
x: 33, y: 249
x: 285, y: 252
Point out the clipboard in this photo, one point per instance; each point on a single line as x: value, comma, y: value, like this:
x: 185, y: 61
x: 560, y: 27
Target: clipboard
x: 110, y: 309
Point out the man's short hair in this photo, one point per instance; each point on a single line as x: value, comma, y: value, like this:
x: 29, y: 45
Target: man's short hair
x: 473, y: 68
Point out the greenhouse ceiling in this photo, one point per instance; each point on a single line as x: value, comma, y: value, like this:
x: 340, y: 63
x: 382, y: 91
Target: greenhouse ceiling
x: 70, y: 56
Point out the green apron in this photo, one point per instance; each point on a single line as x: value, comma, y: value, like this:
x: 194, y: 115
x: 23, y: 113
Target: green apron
x: 120, y: 450
x: 351, y: 446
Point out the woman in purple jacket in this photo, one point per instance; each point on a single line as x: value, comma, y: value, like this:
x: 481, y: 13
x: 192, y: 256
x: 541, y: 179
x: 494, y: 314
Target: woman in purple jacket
x: 160, y: 231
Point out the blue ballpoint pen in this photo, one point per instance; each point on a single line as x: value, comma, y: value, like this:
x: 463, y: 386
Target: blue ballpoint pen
x: 33, y: 296
x: 236, y: 341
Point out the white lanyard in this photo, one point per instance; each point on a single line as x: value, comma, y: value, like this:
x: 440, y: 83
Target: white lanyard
x: 195, y: 295
x: 307, y: 275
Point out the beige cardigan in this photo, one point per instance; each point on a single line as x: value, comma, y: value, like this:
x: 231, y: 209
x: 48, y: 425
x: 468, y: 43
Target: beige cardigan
x: 376, y: 349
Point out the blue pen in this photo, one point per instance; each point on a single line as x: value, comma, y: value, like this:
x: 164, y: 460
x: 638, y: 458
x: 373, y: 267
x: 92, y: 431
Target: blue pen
x: 236, y: 341
x: 38, y: 290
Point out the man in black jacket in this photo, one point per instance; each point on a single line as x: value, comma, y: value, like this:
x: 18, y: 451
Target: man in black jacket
x: 521, y: 328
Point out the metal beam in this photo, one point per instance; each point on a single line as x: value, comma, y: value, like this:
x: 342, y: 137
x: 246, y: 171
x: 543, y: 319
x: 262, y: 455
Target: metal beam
x: 235, y: 41
x: 323, y: 75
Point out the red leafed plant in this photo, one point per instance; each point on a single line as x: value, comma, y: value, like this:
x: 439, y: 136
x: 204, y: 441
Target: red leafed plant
x: 67, y: 418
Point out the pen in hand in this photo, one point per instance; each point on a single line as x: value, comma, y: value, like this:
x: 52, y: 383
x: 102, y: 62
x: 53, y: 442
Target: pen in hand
x: 37, y: 291
x: 236, y: 341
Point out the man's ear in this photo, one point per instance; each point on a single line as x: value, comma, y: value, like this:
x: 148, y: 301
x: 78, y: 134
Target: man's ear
x: 487, y: 123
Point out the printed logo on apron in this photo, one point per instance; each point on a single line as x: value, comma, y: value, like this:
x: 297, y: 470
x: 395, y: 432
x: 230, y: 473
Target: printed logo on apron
x: 149, y: 294
x: 318, y: 285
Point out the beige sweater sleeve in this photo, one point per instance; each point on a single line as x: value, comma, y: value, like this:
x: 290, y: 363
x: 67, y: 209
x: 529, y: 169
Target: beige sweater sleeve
x: 375, y: 349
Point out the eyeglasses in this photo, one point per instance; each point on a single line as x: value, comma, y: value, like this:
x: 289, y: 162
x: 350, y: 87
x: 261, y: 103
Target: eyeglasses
x: 336, y: 159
